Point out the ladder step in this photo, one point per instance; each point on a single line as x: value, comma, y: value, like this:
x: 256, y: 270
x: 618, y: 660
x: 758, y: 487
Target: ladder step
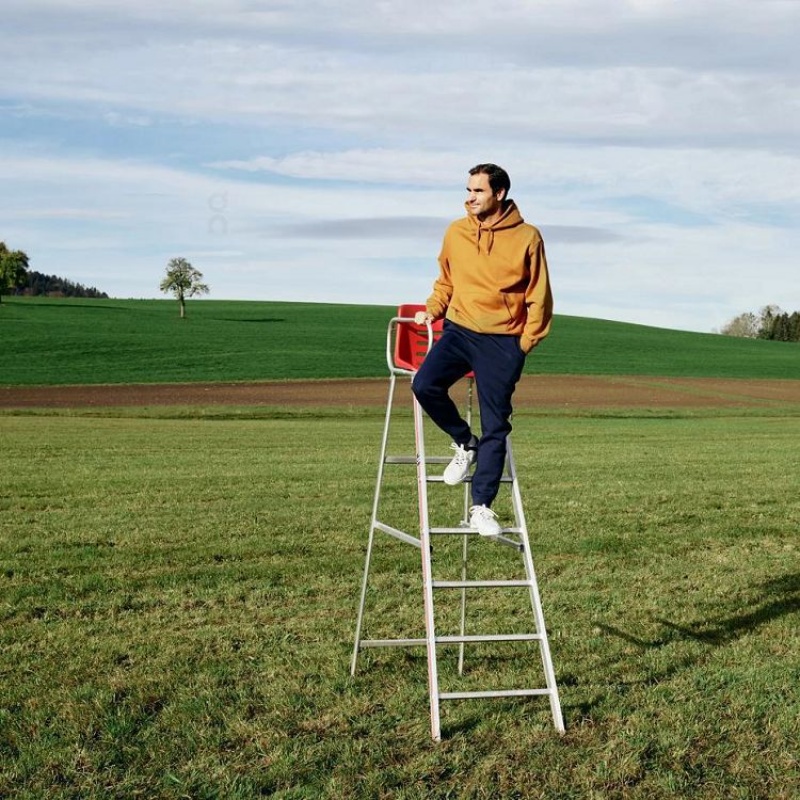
x: 469, y: 639
x: 413, y: 460
x: 468, y: 479
x: 489, y: 637
x: 458, y: 529
x: 499, y: 693
x: 466, y: 529
x: 478, y: 584
x: 391, y: 642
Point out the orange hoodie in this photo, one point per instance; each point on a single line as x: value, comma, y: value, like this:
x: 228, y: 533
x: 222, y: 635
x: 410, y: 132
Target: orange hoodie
x: 493, y: 279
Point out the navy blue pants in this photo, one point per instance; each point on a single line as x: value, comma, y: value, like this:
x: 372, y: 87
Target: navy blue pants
x: 497, y: 362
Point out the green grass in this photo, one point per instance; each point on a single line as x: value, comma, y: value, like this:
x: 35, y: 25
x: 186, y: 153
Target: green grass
x: 61, y: 341
x: 178, y: 596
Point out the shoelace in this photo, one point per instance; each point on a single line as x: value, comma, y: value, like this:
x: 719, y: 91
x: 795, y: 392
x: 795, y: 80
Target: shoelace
x: 461, y: 458
x: 482, y: 511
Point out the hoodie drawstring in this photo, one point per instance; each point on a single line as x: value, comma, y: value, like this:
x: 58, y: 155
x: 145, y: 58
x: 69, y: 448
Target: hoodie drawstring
x: 489, y: 238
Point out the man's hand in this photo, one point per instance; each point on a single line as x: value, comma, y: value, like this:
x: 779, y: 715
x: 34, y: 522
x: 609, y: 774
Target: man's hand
x: 421, y: 317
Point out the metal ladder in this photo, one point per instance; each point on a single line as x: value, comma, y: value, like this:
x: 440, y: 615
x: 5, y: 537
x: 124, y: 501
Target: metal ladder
x: 515, y: 537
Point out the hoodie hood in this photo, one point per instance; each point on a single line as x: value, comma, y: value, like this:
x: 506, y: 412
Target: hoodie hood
x: 510, y: 218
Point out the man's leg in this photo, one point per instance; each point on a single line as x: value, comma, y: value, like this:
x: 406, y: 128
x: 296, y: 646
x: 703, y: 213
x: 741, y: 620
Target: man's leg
x: 447, y: 361
x: 498, y: 366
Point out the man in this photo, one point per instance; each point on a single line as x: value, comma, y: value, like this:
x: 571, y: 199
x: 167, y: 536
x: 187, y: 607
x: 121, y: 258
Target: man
x: 493, y: 291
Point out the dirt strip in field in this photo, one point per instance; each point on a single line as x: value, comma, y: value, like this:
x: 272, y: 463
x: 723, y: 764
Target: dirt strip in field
x: 552, y: 391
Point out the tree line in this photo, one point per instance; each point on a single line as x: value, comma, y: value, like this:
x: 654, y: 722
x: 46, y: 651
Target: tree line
x: 54, y: 286
x: 771, y: 322
x: 16, y: 278
x: 181, y: 279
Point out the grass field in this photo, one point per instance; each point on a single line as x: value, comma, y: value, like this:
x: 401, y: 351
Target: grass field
x: 178, y: 598
x: 61, y: 341
x: 178, y: 586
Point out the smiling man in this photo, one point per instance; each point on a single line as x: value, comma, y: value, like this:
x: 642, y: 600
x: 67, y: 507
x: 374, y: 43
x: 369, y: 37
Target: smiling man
x: 493, y: 290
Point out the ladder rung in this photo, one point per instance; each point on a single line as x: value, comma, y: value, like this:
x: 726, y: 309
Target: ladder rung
x: 466, y: 529
x: 459, y: 529
x: 489, y: 637
x: 498, y: 693
x: 477, y: 584
x: 391, y: 642
x: 468, y: 479
x: 413, y: 460
x: 398, y: 534
x: 486, y: 637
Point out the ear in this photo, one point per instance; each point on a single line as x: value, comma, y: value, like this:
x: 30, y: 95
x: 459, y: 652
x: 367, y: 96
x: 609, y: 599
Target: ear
x: 501, y: 195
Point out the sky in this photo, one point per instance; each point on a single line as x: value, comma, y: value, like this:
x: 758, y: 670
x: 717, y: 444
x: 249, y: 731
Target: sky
x: 317, y: 150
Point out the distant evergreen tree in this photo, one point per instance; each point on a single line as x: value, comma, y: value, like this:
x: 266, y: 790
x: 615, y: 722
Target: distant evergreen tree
x: 39, y: 284
x: 794, y: 326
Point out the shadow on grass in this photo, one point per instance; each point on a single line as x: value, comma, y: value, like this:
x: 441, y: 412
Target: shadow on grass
x: 771, y: 600
x: 779, y: 597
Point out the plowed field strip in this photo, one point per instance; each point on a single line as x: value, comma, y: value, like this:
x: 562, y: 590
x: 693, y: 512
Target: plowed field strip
x: 544, y: 391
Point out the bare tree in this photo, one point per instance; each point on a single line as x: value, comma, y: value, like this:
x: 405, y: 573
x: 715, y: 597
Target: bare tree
x: 746, y: 326
x: 183, y: 281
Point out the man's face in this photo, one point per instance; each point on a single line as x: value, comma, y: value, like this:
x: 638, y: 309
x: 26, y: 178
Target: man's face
x: 482, y: 202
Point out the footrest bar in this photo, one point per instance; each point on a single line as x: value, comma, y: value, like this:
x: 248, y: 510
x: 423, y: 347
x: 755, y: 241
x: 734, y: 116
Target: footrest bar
x: 510, y: 542
x: 398, y: 534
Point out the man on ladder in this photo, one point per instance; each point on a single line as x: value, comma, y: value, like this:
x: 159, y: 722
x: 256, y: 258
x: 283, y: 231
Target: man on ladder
x: 493, y: 290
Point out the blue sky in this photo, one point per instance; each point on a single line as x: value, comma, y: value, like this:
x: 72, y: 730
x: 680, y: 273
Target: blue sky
x: 317, y: 150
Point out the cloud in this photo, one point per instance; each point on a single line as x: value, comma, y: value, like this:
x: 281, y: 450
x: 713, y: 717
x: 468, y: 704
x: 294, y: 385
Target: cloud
x: 66, y: 214
x: 318, y: 150
x: 579, y: 234
x: 366, y: 228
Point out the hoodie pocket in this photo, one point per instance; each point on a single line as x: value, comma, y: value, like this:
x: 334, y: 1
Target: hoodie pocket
x: 515, y: 306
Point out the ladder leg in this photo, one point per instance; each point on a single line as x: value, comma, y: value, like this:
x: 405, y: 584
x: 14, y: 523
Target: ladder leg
x: 463, y: 625
x: 427, y: 579
x: 375, y: 506
x: 536, y: 603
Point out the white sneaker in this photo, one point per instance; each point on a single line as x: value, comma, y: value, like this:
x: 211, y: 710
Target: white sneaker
x: 484, y: 520
x: 458, y: 469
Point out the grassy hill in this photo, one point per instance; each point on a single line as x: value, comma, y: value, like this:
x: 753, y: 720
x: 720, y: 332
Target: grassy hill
x: 49, y: 341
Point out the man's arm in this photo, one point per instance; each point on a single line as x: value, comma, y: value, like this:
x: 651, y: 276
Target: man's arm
x: 538, y: 299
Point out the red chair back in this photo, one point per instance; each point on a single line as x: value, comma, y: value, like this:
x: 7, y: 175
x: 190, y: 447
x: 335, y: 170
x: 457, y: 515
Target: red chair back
x: 411, y: 340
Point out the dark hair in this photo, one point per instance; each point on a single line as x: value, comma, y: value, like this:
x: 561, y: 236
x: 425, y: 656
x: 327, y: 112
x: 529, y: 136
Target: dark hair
x: 498, y: 177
